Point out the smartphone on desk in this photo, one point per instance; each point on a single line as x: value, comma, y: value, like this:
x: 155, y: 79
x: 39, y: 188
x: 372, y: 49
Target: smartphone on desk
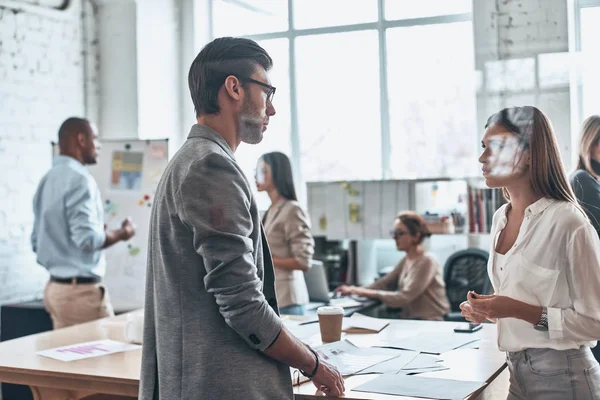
x: 467, y: 328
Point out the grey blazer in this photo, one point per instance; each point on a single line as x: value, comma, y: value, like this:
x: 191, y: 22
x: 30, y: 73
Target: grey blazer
x: 210, y: 307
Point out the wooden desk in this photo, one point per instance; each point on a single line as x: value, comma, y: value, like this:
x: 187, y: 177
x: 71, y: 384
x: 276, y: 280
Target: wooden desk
x: 118, y: 374
x: 483, y: 365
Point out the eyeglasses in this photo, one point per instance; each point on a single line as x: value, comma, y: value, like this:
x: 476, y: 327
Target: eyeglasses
x: 270, y: 92
x: 397, y: 234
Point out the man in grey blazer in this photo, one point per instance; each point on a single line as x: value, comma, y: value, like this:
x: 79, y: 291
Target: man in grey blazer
x: 212, y: 328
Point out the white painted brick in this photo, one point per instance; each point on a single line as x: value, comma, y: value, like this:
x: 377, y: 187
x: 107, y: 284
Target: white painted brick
x: 41, y: 84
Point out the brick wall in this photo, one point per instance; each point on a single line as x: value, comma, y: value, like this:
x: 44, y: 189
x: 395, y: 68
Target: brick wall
x: 521, y: 53
x: 47, y: 72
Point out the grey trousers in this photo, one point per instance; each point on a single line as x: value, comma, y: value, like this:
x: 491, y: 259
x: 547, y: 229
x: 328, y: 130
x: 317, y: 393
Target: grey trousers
x: 553, y: 375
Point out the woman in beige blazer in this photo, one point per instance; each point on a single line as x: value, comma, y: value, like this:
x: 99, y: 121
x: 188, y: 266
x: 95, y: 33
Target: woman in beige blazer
x: 288, y: 231
x: 415, y: 289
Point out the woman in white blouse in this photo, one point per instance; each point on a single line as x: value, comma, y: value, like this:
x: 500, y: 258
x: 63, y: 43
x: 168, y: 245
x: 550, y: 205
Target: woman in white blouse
x: 288, y: 231
x: 544, y: 264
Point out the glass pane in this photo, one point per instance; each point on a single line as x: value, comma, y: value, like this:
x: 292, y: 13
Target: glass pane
x: 333, y: 13
x: 338, y: 106
x: 277, y: 136
x: 405, y: 9
x: 590, y: 32
x: 432, y: 101
x: 248, y: 17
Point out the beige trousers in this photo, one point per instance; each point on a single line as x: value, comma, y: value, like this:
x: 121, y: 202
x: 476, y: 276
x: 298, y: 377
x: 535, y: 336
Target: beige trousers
x: 71, y: 304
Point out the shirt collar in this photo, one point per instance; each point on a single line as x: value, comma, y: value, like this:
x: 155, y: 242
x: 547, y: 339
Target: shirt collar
x: 205, y: 132
x: 538, y: 206
x: 534, y: 208
x: 68, y: 160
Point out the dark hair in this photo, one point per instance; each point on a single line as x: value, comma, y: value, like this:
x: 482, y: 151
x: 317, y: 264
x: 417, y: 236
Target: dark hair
x: 415, y: 224
x: 281, y: 173
x: 73, y: 126
x: 216, y: 61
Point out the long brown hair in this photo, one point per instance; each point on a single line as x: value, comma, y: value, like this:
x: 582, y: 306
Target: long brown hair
x: 534, y: 130
x: 590, y: 134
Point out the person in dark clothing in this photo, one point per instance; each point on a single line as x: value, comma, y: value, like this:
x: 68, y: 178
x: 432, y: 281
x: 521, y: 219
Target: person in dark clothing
x: 584, y: 180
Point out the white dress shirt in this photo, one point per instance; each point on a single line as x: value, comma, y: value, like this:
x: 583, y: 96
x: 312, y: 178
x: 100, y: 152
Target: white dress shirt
x: 555, y: 263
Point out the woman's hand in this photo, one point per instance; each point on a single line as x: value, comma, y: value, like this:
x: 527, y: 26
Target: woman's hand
x: 345, y: 290
x: 467, y: 311
x: 494, y: 306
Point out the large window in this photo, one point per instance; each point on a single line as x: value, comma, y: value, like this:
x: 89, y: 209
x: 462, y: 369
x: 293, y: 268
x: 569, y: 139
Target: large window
x: 378, y: 89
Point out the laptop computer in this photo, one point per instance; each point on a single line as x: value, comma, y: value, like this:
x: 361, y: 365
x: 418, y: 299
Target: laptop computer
x: 318, y: 289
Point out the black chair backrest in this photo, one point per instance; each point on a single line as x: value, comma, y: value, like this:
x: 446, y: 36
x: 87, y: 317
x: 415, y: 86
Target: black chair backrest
x: 466, y: 270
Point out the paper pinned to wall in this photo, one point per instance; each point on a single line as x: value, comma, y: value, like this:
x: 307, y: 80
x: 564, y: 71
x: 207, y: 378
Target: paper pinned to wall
x: 126, y: 172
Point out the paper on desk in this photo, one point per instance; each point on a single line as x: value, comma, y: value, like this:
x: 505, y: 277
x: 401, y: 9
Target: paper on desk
x: 424, y: 361
x: 419, y: 386
x: 309, y: 334
x: 359, y: 323
x: 433, y: 343
x: 87, y: 350
x: 421, y: 370
x: 349, y: 359
x: 393, y: 365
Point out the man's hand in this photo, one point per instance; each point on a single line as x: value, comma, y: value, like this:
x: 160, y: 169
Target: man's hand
x: 328, y: 380
x: 127, y: 229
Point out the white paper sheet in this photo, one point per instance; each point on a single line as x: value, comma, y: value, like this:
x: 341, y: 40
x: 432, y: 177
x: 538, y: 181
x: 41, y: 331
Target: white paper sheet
x: 424, y: 361
x: 418, y: 386
x: 349, y: 359
x: 87, y: 350
x: 421, y: 370
x: 393, y: 365
x: 433, y: 343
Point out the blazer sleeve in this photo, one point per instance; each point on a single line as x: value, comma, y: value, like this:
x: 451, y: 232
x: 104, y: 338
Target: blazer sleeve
x: 298, y: 235
x: 215, y: 203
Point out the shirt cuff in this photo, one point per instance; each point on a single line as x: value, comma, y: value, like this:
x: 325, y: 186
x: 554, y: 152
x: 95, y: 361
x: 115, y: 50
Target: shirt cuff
x: 555, y: 323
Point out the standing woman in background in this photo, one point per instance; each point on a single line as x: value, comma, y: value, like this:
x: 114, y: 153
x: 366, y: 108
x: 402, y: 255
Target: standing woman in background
x: 287, y: 228
x: 544, y: 264
x: 584, y: 180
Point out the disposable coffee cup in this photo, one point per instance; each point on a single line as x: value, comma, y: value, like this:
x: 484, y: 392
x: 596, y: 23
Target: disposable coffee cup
x: 330, y: 323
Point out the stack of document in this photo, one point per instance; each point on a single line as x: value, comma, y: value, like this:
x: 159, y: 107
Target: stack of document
x: 349, y: 359
x: 359, y: 323
x: 423, y: 363
x: 432, y: 343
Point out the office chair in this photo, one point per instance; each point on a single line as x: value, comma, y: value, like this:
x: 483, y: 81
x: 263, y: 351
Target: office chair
x: 465, y: 270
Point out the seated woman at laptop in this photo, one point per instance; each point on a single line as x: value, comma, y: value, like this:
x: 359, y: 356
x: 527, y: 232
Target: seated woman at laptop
x: 287, y: 228
x: 415, y: 285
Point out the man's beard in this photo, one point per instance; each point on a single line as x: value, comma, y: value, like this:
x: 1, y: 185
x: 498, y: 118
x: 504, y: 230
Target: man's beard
x: 250, y: 124
x: 89, y: 160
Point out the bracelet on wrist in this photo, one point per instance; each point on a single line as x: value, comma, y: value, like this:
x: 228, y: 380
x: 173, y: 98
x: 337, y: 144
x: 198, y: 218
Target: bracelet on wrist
x: 314, y: 371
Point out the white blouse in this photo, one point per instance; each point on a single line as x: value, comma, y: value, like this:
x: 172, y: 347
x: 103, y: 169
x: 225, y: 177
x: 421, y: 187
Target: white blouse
x: 554, y: 263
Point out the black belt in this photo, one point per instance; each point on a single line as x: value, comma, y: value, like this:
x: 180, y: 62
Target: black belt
x: 76, y: 280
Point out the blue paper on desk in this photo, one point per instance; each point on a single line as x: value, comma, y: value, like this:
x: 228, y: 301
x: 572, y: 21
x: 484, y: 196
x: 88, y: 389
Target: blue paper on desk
x: 418, y: 386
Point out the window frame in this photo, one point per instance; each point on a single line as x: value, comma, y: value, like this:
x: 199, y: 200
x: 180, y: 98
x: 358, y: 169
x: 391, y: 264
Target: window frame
x: 381, y: 26
x: 575, y: 8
